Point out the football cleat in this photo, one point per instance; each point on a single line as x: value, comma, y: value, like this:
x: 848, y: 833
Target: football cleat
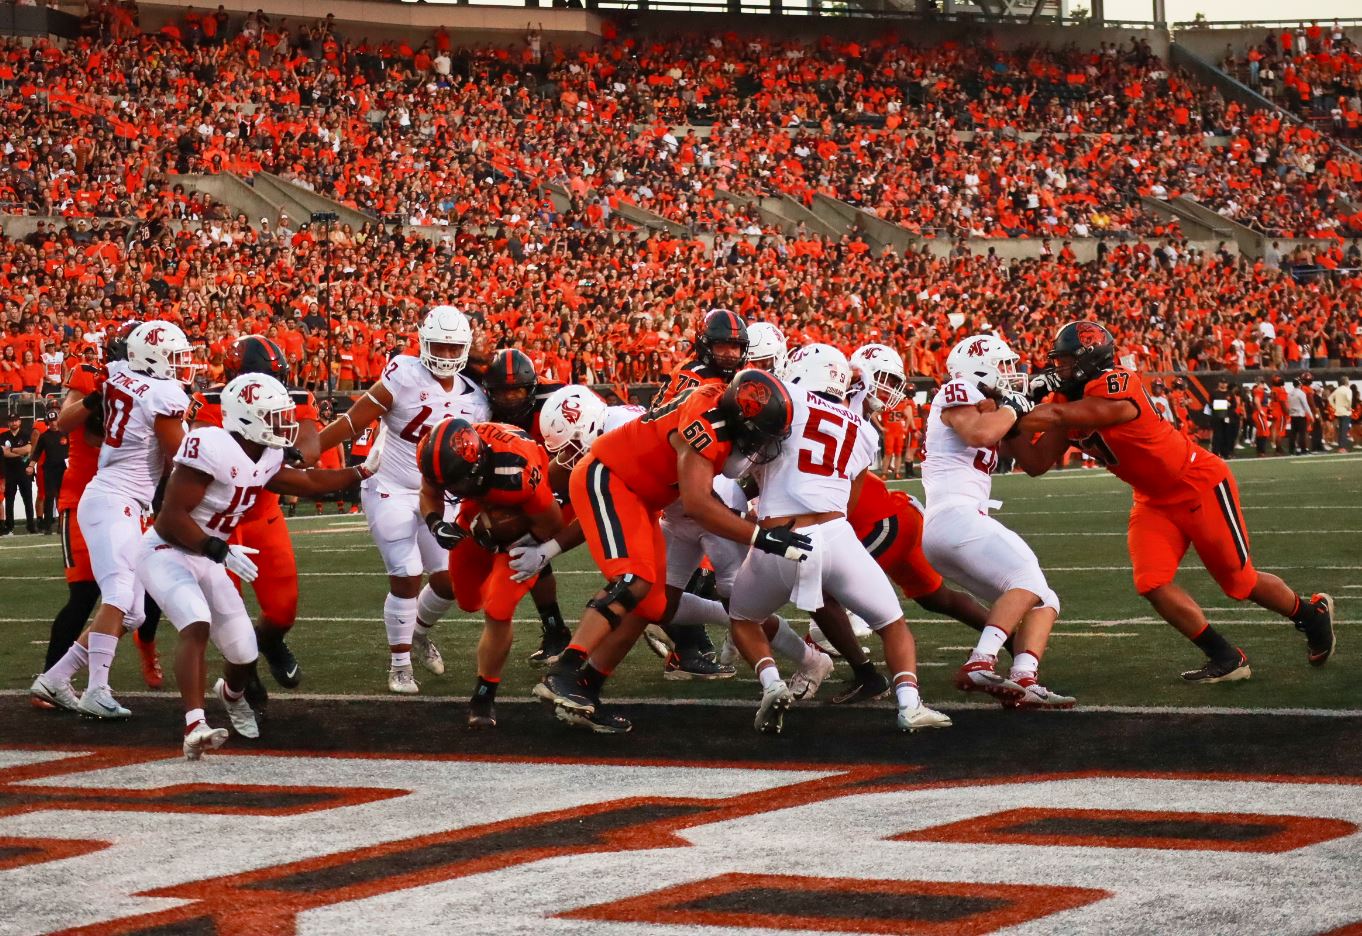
x: 978, y: 676
x: 100, y: 703
x: 915, y: 719
x: 424, y: 649
x: 695, y: 665
x: 401, y: 681
x: 257, y: 696
x: 1214, y: 671
x: 238, y: 711
x: 806, y: 680
x: 552, y: 642
x: 151, y: 661
x: 564, y: 691
x: 599, y: 721
x: 283, y: 664
x: 775, y: 702
x: 55, y: 693
x: 1036, y: 696
x: 657, y: 640
x: 1319, y: 630
x: 482, y: 713
x: 200, y: 737
x: 874, y: 687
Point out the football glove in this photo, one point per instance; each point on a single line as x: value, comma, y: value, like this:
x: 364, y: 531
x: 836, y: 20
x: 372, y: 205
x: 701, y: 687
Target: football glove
x: 529, y: 559
x: 446, y: 534
x: 784, y: 542
x: 1042, y: 385
x: 238, y: 562
x: 1016, y: 402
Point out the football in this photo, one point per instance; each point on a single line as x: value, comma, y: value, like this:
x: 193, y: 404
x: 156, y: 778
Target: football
x: 502, y: 525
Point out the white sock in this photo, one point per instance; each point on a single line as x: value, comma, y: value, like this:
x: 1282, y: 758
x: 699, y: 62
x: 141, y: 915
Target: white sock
x: 193, y: 717
x: 905, y: 692
x: 401, y: 660
x: 1023, y: 665
x: 767, y: 675
x: 789, y: 644
x: 399, y: 619
x: 696, y: 610
x: 102, y: 650
x: 430, y: 608
x: 74, y: 660
x: 990, y: 642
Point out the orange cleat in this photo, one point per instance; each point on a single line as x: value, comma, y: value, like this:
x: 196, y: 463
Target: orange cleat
x: 151, y: 662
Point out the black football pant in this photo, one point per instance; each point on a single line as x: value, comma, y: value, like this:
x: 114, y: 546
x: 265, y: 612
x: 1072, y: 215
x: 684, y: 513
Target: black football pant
x: 1296, y: 441
x: 51, y: 491
x: 21, y: 485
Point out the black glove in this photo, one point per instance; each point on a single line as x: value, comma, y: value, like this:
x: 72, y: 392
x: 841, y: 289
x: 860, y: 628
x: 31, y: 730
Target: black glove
x: 445, y: 533
x: 1042, y: 385
x: 783, y: 542
x: 292, y: 456
x: 94, y: 402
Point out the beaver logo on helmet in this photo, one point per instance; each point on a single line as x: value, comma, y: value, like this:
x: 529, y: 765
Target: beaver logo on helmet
x: 467, y: 444
x: 752, y: 398
x: 1090, y: 334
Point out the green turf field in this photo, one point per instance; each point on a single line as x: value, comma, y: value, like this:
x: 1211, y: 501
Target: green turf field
x: 1304, y: 514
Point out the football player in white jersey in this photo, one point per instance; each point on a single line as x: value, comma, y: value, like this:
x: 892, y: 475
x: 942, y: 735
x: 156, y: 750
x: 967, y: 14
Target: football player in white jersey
x: 807, y: 486
x: 411, y: 398
x: 143, y: 402
x: 964, y: 543
x: 184, y: 559
x: 766, y: 347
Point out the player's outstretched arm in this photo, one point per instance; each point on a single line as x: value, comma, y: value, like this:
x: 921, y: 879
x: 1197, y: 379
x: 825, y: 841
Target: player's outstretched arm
x: 376, y: 401
x: 312, y: 482
x: 978, y: 429
x: 1089, y: 413
x: 1039, y: 456
x: 309, y: 442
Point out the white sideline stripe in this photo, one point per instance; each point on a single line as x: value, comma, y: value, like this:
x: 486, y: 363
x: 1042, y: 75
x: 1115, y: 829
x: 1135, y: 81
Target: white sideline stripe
x: 1085, y: 622
x: 751, y: 703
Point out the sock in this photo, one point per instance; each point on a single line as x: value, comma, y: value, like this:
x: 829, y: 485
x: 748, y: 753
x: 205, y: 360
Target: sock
x: 399, y: 620
x: 400, y: 660
x: 696, y: 610
x: 102, y: 650
x: 1304, y: 610
x: 1213, y: 645
x: 551, y: 617
x: 593, y: 677
x: 192, y: 718
x: 767, y: 675
x: 1023, y: 665
x: 232, y: 694
x: 990, y: 642
x: 72, y: 662
x: 905, y: 690
x: 487, y: 688
x: 569, y: 661
x: 789, y: 644
x: 430, y: 607
x: 864, y: 670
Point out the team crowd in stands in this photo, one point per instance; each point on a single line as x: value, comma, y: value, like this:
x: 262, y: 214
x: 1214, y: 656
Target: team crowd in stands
x: 1313, y: 70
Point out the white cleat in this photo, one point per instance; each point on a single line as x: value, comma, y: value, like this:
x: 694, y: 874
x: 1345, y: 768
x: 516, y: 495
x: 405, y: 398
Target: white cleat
x: 100, y: 703
x: 55, y: 692
x: 728, y: 653
x: 401, y: 681
x: 775, y: 701
x: 424, y: 650
x: 658, y: 641
x: 806, y: 680
x: 915, y: 719
x: 239, y: 712
x: 202, y: 738
x: 1037, y: 696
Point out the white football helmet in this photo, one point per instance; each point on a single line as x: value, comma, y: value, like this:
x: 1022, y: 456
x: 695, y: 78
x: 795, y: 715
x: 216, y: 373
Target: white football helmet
x: 882, y: 373
x: 986, y: 362
x: 766, y: 348
x: 820, y: 368
x: 571, y: 419
x: 160, y: 349
x: 259, y: 408
x: 445, y: 326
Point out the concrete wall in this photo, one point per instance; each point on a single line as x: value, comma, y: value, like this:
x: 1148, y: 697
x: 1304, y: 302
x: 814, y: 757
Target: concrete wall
x: 1085, y: 248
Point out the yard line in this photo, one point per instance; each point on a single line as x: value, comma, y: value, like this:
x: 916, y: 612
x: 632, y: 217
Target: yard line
x: 9, y: 547
x: 1176, y: 710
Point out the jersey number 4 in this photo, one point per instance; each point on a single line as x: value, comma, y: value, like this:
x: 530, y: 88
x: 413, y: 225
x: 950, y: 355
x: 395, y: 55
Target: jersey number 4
x: 832, y: 459
x: 416, y: 430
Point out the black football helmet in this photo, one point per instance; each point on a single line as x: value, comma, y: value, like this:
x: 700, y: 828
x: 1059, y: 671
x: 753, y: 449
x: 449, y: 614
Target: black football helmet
x: 756, y: 412
x: 1082, y: 351
x: 722, y: 327
x: 116, y: 345
x: 256, y: 354
x: 510, y: 382
x: 453, y: 457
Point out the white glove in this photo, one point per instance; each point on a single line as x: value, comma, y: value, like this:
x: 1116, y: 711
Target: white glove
x: 375, y: 457
x: 1042, y: 384
x: 526, y: 561
x: 238, y: 562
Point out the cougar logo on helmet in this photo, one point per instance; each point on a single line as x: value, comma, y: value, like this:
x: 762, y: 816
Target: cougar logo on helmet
x: 751, y: 398
x: 153, y: 337
x: 871, y: 353
x: 572, y: 411
x: 977, y: 349
x: 1090, y: 334
x: 249, y: 392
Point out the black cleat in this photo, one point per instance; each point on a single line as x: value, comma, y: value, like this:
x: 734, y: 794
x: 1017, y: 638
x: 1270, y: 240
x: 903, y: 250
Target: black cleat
x: 283, y: 664
x: 693, y: 664
x: 873, y: 687
x: 599, y: 721
x: 1318, y: 629
x: 552, y: 642
x: 482, y: 713
x: 565, y: 691
x: 256, y: 695
x: 1214, y: 671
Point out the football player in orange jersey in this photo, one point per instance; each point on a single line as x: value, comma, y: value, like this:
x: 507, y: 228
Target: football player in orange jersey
x: 488, y: 465
x: 1183, y: 495
x: 619, y: 491
x: 263, y: 527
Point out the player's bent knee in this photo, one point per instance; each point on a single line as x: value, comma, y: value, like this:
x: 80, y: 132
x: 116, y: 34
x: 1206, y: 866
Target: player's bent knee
x: 237, y: 643
x: 619, y: 597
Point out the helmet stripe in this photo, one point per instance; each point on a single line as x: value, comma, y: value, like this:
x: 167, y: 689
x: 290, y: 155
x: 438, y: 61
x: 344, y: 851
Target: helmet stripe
x: 438, y: 438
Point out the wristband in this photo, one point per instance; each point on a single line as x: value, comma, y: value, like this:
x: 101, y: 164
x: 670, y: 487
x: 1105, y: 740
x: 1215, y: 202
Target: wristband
x: 756, y: 531
x: 214, y: 548
x: 433, y: 518
x: 550, y: 549
x: 364, y: 473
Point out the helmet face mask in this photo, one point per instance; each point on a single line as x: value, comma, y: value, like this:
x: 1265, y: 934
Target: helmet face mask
x: 722, y: 343
x: 258, y: 408
x: 445, y: 337
x: 1082, y: 351
x: 881, y: 372
x: 510, y: 382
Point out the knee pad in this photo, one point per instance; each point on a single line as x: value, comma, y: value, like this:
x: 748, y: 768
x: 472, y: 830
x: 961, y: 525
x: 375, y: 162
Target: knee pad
x: 617, y: 592
x: 237, y: 643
